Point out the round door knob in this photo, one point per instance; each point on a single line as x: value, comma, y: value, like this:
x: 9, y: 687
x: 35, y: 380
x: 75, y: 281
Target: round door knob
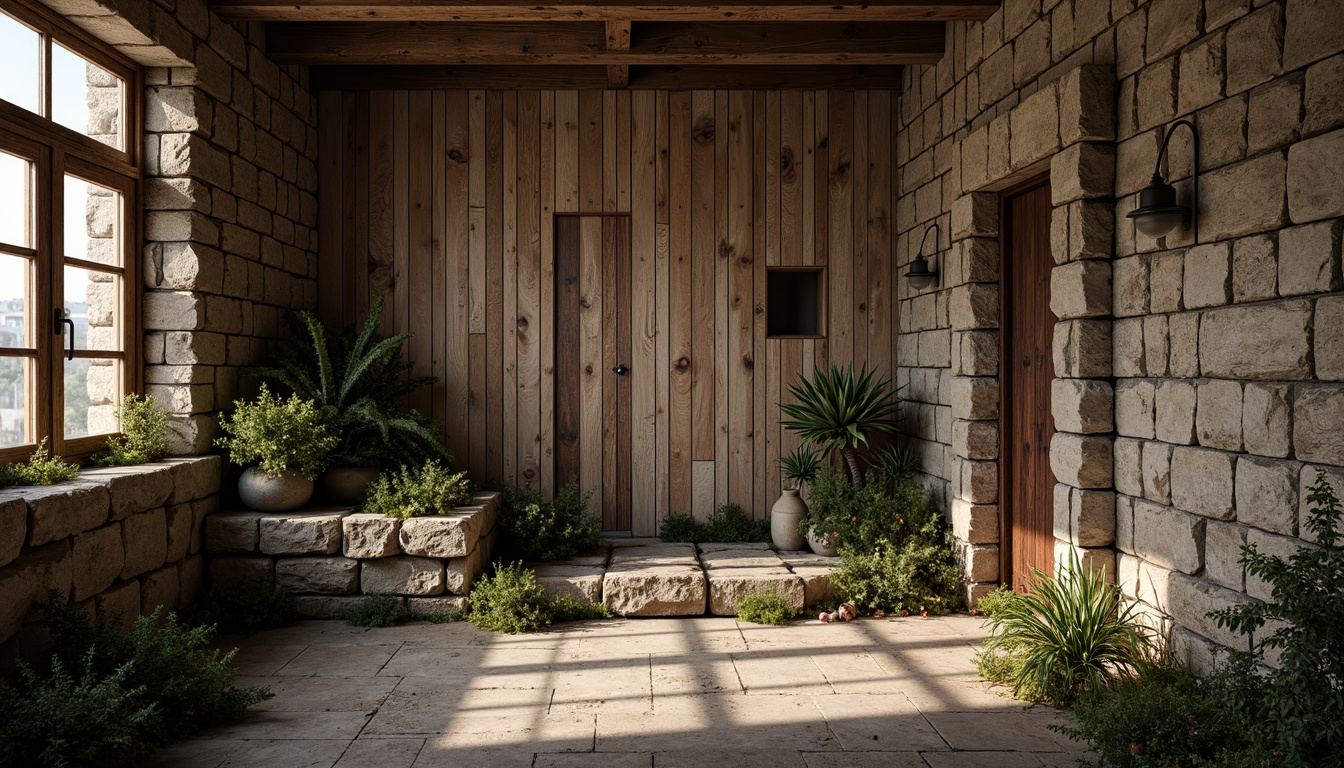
x: 620, y: 370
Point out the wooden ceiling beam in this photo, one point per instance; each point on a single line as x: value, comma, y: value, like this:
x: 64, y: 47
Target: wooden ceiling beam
x: 636, y: 10
x: 611, y: 45
x: 362, y: 78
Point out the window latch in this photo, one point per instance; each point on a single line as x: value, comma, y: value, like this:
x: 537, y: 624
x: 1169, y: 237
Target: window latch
x: 62, y: 322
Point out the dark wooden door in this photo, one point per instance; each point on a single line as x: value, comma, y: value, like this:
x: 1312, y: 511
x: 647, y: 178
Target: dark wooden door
x: 593, y: 374
x: 1028, y: 369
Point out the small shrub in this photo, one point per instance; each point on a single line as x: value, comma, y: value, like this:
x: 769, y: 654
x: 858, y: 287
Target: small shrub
x: 244, y: 611
x: 422, y: 491
x: 728, y: 524
x: 379, y: 611
x: 996, y: 601
x: 1071, y: 634
x: 919, y: 575
x: 276, y: 435
x: 570, y: 608
x: 764, y: 608
x: 510, y: 600
x: 143, y: 438
x: 531, y: 528
x: 860, y: 517
x: 680, y: 527
x: 40, y: 469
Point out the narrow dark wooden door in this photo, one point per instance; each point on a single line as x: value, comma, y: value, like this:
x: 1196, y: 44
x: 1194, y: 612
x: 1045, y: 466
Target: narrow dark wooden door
x: 1028, y: 370
x: 592, y: 361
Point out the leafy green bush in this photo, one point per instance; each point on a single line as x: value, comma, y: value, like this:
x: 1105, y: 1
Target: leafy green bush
x: 996, y: 601
x: 40, y: 469
x: 379, y: 611
x: 144, y: 434
x: 1298, y: 707
x: 1070, y: 633
x: 764, y: 608
x: 728, y: 524
x: 510, y: 600
x: 277, y: 435
x: 860, y: 517
x: 430, y: 489
x: 244, y: 611
x: 358, y: 384
x: 918, y: 574
x: 531, y: 528
x: 681, y: 527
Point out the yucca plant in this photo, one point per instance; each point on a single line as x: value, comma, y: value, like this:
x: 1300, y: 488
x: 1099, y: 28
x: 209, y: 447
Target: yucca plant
x: 358, y: 384
x: 838, y: 408
x: 896, y: 463
x: 801, y: 465
x: 1070, y: 634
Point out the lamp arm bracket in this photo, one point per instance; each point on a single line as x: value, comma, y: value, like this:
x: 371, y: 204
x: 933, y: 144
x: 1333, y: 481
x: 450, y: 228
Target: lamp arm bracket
x: 1194, y: 170
x: 937, y: 235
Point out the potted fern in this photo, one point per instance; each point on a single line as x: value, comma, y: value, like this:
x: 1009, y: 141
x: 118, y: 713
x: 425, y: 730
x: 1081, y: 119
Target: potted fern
x: 799, y: 467
x: 357, y: 383
x: 282, y: 443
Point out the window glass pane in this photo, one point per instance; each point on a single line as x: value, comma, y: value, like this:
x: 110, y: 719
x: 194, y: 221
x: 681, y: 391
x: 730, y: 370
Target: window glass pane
x: 20, y: 55
x: 14, y: 399
x: 16, y: 190
x: 16, y: 300
x: 85, y: 97
x: 93, y: 300
x: 92, y: 391
x: 92, y: 222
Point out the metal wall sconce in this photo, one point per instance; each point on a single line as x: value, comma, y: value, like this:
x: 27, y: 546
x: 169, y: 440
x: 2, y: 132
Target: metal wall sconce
x: 920, y: 276
x: 1158, y: 214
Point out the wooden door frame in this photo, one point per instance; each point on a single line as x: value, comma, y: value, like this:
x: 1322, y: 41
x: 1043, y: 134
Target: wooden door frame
x: 1006, y: 309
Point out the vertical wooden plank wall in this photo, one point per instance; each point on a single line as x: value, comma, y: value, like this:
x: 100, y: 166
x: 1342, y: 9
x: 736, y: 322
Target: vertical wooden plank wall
x: 446, y: 208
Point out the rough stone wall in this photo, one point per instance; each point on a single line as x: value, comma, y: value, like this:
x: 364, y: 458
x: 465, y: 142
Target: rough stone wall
x: 230, y: 202
x: 1225, y: 356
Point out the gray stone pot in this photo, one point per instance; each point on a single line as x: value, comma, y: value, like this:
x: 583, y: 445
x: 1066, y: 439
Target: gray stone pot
x: 347, y: 485
x: 824, y: 547
x: 274, y: 493
x: 784, y: 519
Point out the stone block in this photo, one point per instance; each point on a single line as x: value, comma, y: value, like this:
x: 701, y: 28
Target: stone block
x: 1267, y: 494
x: 1323, y: 104
x: 975, y: 398
x: 1208, y: 276
x: 233, y: 573
x: 1269, y: 107
x: 1091, y: 231
x: 1082, y: 349
x: 1128, y: 466
x: 1084, y: 170
x: 979, y: 481
x: 1080, y: 289
x: 320, y: 575
x: 97, y: 560
x: 1265, y: 419
x: 581, y: 582
x: 1034, y: 128
x: 232, y: 532
x: 194, y: 478
x: 451, y: 535
x: 1083, y: 461
x: 1157, y: 472
x: 658, y: 580
x: 200, y: 510
x: 1318, y: 424
x: 132, y: 489
x: 818, y: 588
x: 975, y: 439
x: 1329, y: 332
x: 13, y: 528
x: 1175, y: 405
x: 1129, y: 286
x: 1169, y: 537
x: 302, y: 533
x: 979, y: 562
x: 1259, y: 342
x: 1190, y: 602
x: 369, y: 536
x: 726, y: 590
x: 27, y: 581
x: 191, y: 575
x: 161, y: 589
x: 1282, y: 547
x: 1083, y: 406
x: 145, y: 541
x: 64, y: 509
x: 1202, y: 482
x: 1085, y: 518
x: 429, y: 606
x: 1309, y: 258
x: 179, y: 520
x: 1243, y: 199
x: 121, y: 601
x: 1255, y: 49
x: 975, y: 215
x: 173, y: 310
x: 1087, y: 104
x: 974, y: 306
x: 1127, y: 356
x: 1222, y: 554
x: 401, y: 576
x: 1312, y: 32
x: 1183, y: 338
x: 328, y: 606
x: 1254, y: 268
x: 1219, y: 414
x: 1134, y: 408
x: 974, y: 523
x: 460, y: 573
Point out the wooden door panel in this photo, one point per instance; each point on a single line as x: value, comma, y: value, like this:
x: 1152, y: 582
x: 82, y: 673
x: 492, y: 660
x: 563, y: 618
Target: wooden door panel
x: 1028, y: 372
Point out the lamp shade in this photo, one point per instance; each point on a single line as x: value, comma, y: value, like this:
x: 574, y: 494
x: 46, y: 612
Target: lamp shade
x: 920, y: 276
x: 1158, y: 213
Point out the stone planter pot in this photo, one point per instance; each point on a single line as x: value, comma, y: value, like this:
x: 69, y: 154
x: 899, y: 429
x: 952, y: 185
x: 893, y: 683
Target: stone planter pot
x: 274, y: 493
x: 347, y: 485
x: 784, y: 518
x: 824, y: 546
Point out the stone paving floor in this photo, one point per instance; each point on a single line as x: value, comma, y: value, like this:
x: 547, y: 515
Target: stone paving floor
x: 895, y: 693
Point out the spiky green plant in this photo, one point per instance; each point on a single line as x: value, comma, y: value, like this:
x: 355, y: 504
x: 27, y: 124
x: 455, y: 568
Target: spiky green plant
x: 838, y: 408
x: 896, y: 463
x: 801, y: 465
x: 358, y: 383
x: 1071, y: 634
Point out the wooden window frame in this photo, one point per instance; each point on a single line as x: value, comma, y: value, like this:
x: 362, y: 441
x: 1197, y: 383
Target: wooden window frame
x: 823, y: 296
x: 56, y: 150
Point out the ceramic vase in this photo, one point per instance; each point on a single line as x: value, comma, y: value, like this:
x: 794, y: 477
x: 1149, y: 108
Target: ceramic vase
x: 273, y: 493
x: 784, y: 519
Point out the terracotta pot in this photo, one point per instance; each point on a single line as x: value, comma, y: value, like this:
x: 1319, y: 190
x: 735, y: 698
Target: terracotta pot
x: 274, y: 493
x: 824, y: 546
x: 347, y: 485
x: 784, y: 519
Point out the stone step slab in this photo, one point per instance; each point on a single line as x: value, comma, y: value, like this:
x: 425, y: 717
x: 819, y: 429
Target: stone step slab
x: 577, y: 580
x: 233, y: 532
x: 653, y: 590
x: 451, y: 535
x: 328, y: 606
x: 230, y: 573
x: 318, y: 575
x: 401, y: 575
x: 734, y: 573
x: 424, y: 606
x: 316, y: 532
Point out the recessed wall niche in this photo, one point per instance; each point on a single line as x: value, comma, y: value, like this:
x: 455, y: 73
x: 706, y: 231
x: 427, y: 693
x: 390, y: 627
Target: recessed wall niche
x: 795, y: 304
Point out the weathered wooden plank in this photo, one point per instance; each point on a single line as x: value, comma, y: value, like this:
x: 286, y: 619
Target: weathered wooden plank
x: 330, y: 213
x: 548, y: 342
x: 494, y: 287
x: 359, y: 276
x: 767, y: 405
x: 615, y: 448
x: 740, y: 360
x: 568, y: 400
x: 662, y: 352
x: 794, y: 197
x: 566, y: 151
x: 381, y: 179
x: 591, y: 372
x: 349, y: 195
x: 616, y: 238
x: 623, y: 150
x: 723, y: 457
x: 643, y: 314
x: 879, y: 231
x: 464, y: 421
x: 529, y: 277
x: 702, y: 191
x: 591, y: 153
x: 509, y: 286
x: 702, y: 489
x: 401, y: 158
x: 476, y: 396
x: 420, y: 257
x: 679, y: 303
x: 582, y: 77
x: 858, y: 208
x: 476, y: 190
x: 438, y: 280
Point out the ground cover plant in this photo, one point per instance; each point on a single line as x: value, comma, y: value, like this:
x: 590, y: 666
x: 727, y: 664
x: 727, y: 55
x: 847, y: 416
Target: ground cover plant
x: 379, y: 611
x: 144, y: 434
x: 429, y: 489
x: 764, y: 608
x: 104, y: 698
x: 533, y: 529
x: 277, y: 435
x: 40, y: 469
x: 243, y: 610
x: 726, y: 525
x: 510, y: 600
